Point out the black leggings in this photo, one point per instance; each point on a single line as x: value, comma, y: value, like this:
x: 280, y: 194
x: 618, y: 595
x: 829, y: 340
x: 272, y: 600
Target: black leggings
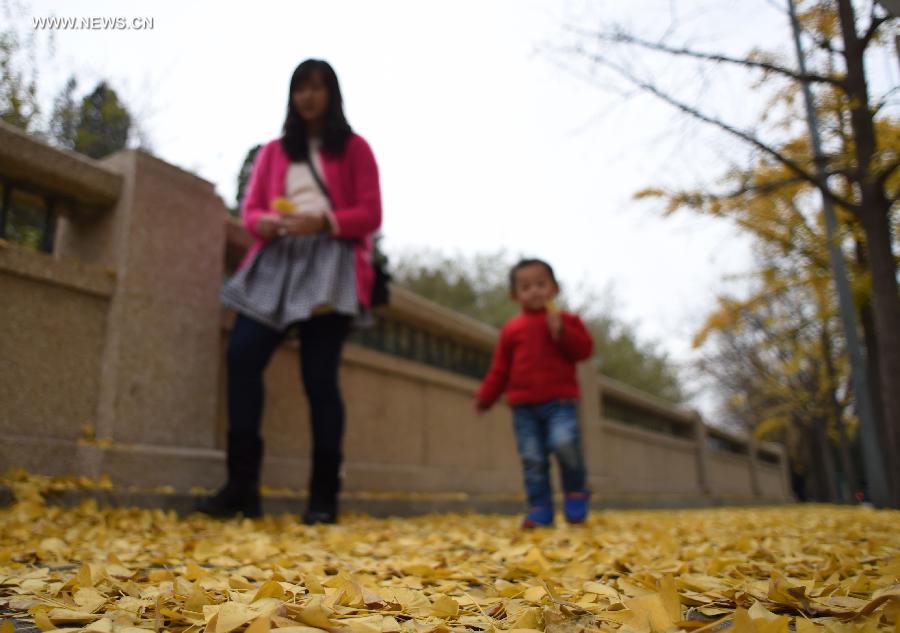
x: 249, y: 351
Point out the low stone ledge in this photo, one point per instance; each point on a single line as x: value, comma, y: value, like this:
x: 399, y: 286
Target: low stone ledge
x: 67, y: 273
x: 382, y: 505
x: 24, y: 158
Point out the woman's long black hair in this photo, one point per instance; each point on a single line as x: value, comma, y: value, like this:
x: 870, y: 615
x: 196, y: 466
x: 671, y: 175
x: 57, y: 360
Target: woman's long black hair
x: 335, y: 130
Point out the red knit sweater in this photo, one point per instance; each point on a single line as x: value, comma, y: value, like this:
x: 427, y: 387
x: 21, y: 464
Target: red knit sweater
x: 530, y: 366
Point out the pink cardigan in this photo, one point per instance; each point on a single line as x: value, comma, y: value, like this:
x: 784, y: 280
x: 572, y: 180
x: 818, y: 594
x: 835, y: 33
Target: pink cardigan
x: 352, y: 181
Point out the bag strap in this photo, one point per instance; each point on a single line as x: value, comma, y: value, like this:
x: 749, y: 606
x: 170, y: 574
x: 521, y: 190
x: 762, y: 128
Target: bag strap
x: 318, y: 178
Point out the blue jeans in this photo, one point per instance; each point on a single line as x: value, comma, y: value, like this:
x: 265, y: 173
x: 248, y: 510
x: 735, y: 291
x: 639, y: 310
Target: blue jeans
x: 542, y: 429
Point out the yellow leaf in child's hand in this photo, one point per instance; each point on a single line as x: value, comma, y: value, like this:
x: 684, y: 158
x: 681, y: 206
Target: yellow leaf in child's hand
x: 551, y: 306
x: 7, y: 627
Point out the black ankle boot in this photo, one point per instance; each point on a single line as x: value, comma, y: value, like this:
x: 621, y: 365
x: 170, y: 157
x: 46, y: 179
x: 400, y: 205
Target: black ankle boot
x: 324, y: 486
x: 311, y: 517
x: 232, y: 501
x: 241, y: 494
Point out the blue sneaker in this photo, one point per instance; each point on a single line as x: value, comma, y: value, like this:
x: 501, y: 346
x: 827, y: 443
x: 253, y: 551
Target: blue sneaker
x: 538, y: 516
x: 576, y: 506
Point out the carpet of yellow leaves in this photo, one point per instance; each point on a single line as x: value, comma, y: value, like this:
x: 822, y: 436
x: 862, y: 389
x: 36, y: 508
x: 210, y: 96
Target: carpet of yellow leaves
x: 768, y: 570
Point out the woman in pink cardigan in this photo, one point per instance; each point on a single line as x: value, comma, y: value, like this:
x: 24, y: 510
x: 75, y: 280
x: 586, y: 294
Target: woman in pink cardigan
x: 312, y: 205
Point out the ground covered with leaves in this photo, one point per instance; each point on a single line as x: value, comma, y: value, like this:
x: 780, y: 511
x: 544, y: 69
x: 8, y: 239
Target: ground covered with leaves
x: 769, y: 570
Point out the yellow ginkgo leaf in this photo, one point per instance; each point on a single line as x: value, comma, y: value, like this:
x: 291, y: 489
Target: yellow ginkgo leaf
x: 270, y: 589
x: 284, y: 205
x: 259, y: 625
x: 650, y: 610
x: 444, y: 607
x: 232, y: 615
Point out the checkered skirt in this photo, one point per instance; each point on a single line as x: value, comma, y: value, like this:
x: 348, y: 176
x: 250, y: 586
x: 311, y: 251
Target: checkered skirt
x: 291, y: 278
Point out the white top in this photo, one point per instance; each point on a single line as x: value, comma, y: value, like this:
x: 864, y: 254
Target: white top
x: 301, y: 187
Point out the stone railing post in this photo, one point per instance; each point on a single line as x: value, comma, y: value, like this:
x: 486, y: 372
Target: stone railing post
x: 753, y: 458
x: 591, y: 421
x: 702, y: 452
x: 165, y: 239
x: 784, y: 468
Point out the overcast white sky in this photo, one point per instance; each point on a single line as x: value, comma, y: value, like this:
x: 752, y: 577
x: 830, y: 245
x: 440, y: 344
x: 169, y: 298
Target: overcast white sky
x: 483, y: 140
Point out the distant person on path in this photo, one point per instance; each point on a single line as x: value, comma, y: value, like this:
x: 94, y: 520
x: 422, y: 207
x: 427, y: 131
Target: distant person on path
x: 534, y: 364
x: 312, y: 205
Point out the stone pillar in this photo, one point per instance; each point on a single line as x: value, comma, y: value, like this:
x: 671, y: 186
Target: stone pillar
x: 591, y: 421
x: 704, y: 483
x: 753, y: 459
x: 161, y: 362
x: 784, y: 465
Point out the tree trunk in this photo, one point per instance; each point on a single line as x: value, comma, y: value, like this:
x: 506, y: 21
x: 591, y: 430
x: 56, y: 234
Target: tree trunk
x: 851, y: 482
x: 823, y: 463
x: 874, y: 215
x: 886, y: 310
x: 867, y: 322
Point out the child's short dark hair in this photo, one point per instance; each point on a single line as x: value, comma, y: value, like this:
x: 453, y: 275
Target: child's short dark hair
x: 529, y: 262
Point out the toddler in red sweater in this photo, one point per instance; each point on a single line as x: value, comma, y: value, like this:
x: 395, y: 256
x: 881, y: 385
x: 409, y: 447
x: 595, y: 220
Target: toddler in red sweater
x: 534, y: 364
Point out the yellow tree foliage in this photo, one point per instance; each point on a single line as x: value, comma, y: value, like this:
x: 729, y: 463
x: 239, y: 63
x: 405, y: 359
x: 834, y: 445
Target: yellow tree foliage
x: 791, y: 371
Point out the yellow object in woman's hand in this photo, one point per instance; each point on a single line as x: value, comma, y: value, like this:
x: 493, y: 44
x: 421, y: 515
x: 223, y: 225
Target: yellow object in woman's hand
x: 284, y: 206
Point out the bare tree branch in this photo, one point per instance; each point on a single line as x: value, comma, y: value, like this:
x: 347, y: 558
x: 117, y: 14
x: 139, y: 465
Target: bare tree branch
x: 887, y: 172
x: 722, y: 125
x: 621, y: 37
x: 852, y: 175
x: 873, y: 28
x: 824, y: 44
x: 883, y: 101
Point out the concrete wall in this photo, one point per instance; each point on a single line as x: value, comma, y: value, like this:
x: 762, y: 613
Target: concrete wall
x: 644, y: 464
x: 409, y: 428
x: 121, y: 328
x: 53, y: 317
